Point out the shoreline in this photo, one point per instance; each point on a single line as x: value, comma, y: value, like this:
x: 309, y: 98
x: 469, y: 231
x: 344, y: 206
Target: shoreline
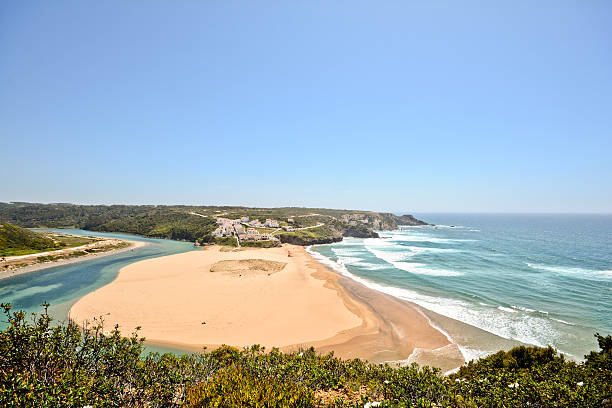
x: 61, y: 262
x: 473, y: 342
x: 306, y: 305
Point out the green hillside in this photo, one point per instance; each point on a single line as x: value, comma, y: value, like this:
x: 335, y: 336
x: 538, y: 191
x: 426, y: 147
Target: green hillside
x: 193, y: 223
x: 15, y: 240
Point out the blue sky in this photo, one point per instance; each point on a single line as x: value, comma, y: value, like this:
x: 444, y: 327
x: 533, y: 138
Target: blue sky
x: 401, y: 106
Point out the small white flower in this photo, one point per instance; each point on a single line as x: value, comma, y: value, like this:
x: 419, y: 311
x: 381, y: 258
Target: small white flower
x: 386, y: 381
x: 106, y: 333
x: 376, y: 404
x: 515, y: 385
x: 301, y: 354
x: 580, y: 384
x: 457, y: 380
x: 368, y: 405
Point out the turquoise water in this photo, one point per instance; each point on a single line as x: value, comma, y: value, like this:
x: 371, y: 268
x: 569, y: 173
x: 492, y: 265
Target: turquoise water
x: 61, y: 286
x: 539, y: 279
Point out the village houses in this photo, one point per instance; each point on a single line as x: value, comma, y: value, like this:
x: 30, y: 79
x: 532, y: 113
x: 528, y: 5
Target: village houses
x: 271, y: 223
x: 234, y: 228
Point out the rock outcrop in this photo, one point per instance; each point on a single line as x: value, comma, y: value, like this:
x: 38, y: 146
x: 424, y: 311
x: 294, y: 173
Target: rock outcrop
x: 298, y: 240
x: 359, y: 231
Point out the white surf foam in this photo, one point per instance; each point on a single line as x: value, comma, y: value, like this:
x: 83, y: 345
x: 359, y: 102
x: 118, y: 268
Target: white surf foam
x: 347, y: 251
x: 415, y: 250
x: 569, y: 270
x: 524, y: 309
x: 356, y: 257
x: 563, y: 321
x: 510, y: 325
x: 398, y: 260
x: 398, y: 236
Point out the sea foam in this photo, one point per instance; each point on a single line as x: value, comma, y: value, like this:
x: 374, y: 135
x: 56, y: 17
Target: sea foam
x: 504, y: 323
x: 569, y: 270
x: 399, y: 256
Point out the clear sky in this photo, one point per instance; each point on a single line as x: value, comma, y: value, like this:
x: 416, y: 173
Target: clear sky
x: 425, y: 106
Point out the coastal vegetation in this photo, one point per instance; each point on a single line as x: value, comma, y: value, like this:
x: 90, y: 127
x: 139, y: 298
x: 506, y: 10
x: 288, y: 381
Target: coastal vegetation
x: 15, y: 240
x: 260, y: 244
x: 43, y: 364
x: 196, y: 223
x: 227, y: 241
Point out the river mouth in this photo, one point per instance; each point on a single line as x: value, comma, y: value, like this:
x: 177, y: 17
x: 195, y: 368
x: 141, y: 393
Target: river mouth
x: 63, y: 285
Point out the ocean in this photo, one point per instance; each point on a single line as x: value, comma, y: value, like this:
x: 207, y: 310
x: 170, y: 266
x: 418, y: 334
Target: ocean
x: 537, y: 279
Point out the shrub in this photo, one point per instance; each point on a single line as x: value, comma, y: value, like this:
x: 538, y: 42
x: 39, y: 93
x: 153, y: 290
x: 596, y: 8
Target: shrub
x: 261, y: 244
x: 238, y: 387
x: 229, y: 241
x: 46, y: 365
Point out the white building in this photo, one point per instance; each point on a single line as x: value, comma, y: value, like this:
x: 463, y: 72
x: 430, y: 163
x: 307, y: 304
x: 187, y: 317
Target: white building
x: 225, y: 230
x: 252, y: 233
x: 271, y: 223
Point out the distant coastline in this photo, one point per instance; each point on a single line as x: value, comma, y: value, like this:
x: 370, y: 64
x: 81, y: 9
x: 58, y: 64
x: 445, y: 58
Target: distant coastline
x: 290, y: 225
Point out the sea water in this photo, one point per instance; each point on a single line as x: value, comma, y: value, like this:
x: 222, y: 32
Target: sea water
x: 538, y: 279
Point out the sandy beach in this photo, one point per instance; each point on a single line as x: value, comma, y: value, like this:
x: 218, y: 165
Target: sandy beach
x: 261, y: 296
x: 4, y: 274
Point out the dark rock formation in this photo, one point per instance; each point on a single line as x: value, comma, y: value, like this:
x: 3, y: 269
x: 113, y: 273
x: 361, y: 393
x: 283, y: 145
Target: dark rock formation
x: 297, y: 240
x: 359, y: 231
x: 408, y: 219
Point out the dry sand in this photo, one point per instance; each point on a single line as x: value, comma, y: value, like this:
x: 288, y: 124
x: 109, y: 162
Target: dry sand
x: 262, y: 296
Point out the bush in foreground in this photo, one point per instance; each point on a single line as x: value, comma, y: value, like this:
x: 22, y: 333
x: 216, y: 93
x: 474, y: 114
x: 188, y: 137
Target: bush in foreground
x: 45, y: 365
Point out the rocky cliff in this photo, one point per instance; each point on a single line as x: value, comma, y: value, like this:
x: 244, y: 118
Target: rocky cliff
x: 379, y: 221
x: 359, y: 231
x: 299, y: 240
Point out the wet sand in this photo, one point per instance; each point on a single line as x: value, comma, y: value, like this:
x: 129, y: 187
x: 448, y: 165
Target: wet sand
x: 179, y: 302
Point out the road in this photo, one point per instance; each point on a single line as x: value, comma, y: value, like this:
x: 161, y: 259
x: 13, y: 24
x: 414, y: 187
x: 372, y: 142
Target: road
x: 312, y: 226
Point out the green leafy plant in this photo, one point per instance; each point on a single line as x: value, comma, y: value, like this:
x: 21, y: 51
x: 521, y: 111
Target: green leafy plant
x: 43, y: 364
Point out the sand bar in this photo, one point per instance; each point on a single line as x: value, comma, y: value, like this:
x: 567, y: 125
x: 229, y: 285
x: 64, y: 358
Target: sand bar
x: 262, y: 296
x: 4, y: 274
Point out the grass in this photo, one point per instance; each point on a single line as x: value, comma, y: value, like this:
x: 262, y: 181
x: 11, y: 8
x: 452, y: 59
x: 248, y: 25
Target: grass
x: 15, y: 241
x: 226, y: 241
x: 260, y: 244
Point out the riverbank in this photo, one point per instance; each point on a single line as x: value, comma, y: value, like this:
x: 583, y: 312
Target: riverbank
x: 37, y: 265
x: 262, y: 296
